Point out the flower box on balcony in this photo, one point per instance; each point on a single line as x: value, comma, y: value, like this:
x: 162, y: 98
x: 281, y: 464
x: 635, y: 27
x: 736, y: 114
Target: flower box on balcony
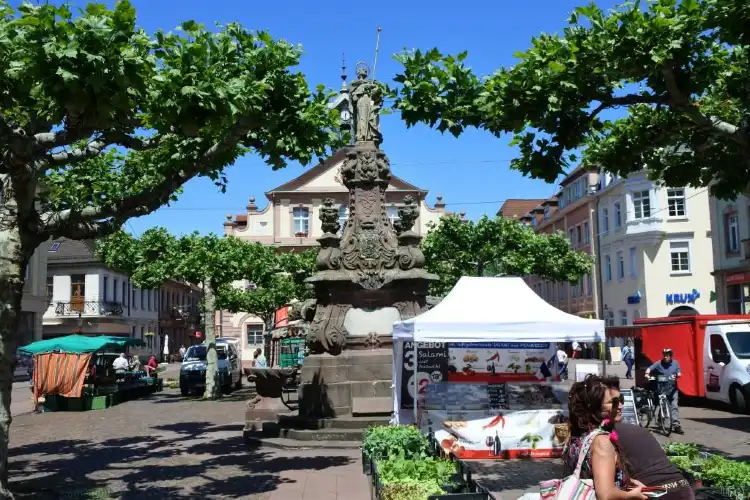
x: 300, y: 235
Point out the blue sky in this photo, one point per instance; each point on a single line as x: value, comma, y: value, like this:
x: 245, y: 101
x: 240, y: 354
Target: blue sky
x: 471, y: 172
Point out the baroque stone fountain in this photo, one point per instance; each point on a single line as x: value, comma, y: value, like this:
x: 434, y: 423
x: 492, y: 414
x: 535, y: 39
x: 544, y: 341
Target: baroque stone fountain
x: 369, y: 276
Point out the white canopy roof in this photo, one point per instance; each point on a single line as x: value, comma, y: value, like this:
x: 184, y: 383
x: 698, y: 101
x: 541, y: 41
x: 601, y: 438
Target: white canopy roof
x: 497, y: 309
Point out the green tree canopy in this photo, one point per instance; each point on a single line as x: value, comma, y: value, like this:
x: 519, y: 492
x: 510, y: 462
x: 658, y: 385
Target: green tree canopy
x: 489, y: 247
x: 680, y: 69
x: 216, y: 263
x: 284, y: 282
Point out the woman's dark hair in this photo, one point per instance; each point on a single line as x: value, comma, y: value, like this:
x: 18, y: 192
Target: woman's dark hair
x: 612, y: 382
x: 585, y: 401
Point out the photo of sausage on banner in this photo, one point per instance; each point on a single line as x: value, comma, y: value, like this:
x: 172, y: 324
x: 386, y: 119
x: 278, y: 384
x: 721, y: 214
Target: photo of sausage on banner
x: 486, y: 421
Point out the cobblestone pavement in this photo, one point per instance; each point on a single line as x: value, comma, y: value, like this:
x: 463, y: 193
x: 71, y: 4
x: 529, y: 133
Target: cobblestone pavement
x: 715, y: 428
x: 167, y: 446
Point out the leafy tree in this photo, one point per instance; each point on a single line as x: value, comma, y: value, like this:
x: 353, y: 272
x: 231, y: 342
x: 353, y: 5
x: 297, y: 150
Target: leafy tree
x: 680, y: 69
x: 211, y: 261
x: 217, y: 264
x: 284, y: 282
x: 101, y: 121
x: 455, y: 248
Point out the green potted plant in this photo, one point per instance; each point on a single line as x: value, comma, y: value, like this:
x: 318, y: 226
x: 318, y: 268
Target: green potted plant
x: 436, y: 474
x: 383, y: 441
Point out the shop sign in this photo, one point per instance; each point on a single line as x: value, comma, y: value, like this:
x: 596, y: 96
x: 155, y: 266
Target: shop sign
x: 198, y: 334
x: 683, y: 298
x: 635, y: 299
x: 736, y: 278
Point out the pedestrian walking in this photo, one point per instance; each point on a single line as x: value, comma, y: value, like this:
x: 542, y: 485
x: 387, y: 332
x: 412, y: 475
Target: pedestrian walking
x: 628, y: 358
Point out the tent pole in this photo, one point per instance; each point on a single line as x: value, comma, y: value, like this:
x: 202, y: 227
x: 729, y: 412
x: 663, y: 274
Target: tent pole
x: 416, y: 381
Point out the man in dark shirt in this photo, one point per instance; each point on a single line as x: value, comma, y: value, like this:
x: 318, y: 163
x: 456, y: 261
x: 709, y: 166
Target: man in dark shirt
x: 645, y: 459
x: 669, y: 367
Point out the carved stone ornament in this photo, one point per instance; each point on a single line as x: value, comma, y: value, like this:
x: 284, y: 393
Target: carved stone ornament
x: 372, y: 341
x: 329, y: 217
x: 407, y: 215
x: 327, y: 332
x: 369, y: 246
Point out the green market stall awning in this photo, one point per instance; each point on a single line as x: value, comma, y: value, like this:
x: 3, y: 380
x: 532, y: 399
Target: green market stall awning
x: 80, y: 344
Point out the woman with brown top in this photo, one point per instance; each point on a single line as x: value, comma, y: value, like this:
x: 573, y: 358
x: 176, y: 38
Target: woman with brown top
x: 590, y: 406
x: 645, y: 458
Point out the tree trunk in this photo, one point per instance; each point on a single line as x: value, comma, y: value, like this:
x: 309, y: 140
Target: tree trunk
x: 13, y: 263
x: 213, y: 384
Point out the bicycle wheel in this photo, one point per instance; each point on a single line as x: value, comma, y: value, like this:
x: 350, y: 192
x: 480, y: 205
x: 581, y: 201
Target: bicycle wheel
x: 665, y: 420
x: 645, y: 414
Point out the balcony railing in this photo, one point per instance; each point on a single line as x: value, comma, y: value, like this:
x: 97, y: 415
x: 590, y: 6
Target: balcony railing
x: 185, y: 314
x: 88, y: 308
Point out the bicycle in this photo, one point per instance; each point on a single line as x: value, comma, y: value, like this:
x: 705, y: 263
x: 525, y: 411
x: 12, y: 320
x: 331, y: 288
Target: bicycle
x: 655, y: 408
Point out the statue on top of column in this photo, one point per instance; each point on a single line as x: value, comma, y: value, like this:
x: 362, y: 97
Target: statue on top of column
x: 367, y: 98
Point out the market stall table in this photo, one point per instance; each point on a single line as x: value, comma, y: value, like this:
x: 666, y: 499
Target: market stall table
x: 511, y: 479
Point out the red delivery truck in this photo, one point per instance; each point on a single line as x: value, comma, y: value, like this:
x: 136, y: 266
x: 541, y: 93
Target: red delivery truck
x: 713, y: 352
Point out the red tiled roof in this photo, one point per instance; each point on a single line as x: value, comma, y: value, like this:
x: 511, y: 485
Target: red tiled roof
x: 517, y: 208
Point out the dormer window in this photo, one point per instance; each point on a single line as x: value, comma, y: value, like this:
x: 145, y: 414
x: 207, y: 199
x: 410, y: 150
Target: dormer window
x: 546, y: 212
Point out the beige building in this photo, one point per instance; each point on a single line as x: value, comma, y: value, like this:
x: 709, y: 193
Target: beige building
x: 656, y: 253
x: 730, y: 222
x: 290, y: 220
x: 88, y: 298
x: 35, y: 300
x: 571, y: 211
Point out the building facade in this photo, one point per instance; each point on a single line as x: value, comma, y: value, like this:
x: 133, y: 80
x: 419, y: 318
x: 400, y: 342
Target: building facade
x: 86, y: 297
x: 290, y: 221
x: 35, y: 301
x: 179, y: 315
x: 730, y: 221
x: 571, y: 211
x: 655, y: 249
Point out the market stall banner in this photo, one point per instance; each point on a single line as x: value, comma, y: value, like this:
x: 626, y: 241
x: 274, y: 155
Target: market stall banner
x: 471, y: 362
x: 509, y: 434
x: 499, y: 361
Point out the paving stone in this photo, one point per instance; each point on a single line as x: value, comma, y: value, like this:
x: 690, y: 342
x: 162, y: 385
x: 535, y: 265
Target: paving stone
x: 167, y: 446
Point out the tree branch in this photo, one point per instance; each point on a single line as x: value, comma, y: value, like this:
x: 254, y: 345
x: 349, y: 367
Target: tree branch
x: 712, y: 124
x: 62, y: 158
x: 111, y: 217
x: 626, y: 100
x: 95, y: 148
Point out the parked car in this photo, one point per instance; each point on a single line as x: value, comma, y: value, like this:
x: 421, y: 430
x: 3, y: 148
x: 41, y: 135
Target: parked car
x: 22, y: 368
x: 193, y: 369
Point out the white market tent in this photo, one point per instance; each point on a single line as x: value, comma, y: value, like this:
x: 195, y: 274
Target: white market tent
x: 490, y: 310
x: 497, y: 309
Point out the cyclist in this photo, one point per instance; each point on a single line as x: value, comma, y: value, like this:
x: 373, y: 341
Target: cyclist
x: 670, y: 368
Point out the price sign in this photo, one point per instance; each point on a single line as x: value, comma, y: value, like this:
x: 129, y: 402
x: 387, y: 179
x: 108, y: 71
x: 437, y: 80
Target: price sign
x: 431, y: 365
x: 629, y: 412
x: 497, y: 395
